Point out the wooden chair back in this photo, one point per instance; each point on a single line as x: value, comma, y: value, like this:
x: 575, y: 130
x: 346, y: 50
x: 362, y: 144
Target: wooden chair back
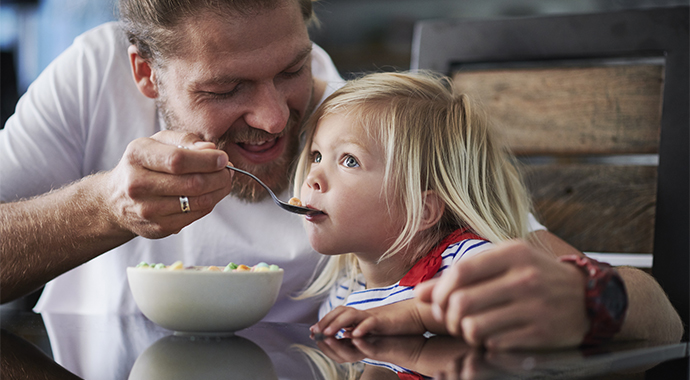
x: 596, y: 108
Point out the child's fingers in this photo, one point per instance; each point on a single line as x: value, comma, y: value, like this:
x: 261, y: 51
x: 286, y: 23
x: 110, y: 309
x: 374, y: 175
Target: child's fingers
x: 368, y: 325
x: 344, y: 320
x: 341, y: 317
x: 327, y: 319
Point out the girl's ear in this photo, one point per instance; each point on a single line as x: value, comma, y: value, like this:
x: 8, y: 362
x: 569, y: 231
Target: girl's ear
x: 144, y: 76
x: 433, y: 210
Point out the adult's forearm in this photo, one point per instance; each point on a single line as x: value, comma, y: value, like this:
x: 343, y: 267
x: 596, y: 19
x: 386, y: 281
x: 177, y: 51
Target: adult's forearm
x: 46, y: 236
x: 650, y: 313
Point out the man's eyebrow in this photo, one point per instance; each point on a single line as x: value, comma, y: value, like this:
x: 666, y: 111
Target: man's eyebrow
x: 219, y: 80
x: 227, y: 80
x: 302, y: 54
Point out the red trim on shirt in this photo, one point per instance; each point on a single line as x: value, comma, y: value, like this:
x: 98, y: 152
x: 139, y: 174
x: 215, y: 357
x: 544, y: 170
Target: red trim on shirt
x: 428, y: 266
x: 410, y: 376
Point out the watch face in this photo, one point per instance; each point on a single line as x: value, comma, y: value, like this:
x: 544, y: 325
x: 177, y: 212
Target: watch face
x: 614, y: 298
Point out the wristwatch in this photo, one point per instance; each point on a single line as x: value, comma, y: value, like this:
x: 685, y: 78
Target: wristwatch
x: 606, y: 299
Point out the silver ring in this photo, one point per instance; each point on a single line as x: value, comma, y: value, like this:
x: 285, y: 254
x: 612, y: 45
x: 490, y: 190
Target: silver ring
x: 184, y: 204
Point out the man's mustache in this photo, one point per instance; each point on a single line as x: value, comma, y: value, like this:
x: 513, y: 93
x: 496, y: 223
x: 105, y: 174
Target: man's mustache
x: 250, y: 135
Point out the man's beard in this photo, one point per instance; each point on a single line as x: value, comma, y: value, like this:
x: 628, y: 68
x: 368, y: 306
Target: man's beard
x: 275, y: 174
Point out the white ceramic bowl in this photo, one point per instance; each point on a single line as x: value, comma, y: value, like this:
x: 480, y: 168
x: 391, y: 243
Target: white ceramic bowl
x: 191, y: 301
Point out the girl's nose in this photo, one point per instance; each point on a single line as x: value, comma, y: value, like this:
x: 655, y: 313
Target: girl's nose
x: 315, y: 180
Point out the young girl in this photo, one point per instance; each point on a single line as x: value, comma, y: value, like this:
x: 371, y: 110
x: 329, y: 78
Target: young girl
x: 410, y: 178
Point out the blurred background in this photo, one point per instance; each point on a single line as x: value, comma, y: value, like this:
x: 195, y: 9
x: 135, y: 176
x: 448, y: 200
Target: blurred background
x: 360, y: 35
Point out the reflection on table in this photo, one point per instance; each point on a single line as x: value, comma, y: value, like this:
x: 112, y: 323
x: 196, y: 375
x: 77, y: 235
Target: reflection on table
x: 65, y: 346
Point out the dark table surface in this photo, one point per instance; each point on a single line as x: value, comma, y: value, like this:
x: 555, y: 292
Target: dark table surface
x: 66, y: 346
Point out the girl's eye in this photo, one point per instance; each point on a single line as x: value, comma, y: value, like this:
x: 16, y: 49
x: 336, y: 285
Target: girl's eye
x: 351, y: 162
x: 316, y: 157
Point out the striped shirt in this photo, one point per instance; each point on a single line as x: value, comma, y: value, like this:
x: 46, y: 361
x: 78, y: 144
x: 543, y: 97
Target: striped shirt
x: 362, y: 298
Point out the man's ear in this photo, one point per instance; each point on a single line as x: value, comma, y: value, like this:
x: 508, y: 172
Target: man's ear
x: 144, y: 75
x: 433, y: 210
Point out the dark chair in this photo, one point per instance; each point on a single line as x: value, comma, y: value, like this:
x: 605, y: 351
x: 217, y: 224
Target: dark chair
x: 596, y: 107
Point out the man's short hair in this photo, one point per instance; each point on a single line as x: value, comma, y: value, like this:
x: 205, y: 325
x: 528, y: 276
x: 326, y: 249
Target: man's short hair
x: 153, y: 25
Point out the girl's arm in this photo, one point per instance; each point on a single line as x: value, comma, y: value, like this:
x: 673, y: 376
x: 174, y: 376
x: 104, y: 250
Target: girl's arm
x: 401, y: 318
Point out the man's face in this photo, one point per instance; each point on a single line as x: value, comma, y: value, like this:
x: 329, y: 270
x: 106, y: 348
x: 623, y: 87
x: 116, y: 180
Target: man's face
x: 244, y: 83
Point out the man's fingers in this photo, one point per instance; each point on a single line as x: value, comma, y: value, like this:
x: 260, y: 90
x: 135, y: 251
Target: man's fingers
x: 483, y: 296
x: 423, y: 290
x: 478, y: 328
x: 174, y: 205
x: 150, y: 183
x: 160, y: 157
x: 186, y: 140
x: 517, y: 325
x: 488, y: 265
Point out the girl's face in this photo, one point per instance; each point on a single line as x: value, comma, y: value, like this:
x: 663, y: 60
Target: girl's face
x: 345, y: 180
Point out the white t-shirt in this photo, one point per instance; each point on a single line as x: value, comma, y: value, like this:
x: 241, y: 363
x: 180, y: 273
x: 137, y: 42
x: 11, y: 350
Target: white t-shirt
x: 76, y: 119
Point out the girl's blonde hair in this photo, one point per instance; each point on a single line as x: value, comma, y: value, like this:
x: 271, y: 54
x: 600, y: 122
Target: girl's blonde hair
x: 433, y: 138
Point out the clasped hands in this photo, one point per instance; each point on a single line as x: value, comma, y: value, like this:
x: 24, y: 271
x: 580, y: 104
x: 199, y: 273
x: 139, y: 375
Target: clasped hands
x: 510, y: 297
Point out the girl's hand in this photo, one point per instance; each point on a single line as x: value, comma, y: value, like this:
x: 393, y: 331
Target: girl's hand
x: 353, y: 322
x: 396, y: 319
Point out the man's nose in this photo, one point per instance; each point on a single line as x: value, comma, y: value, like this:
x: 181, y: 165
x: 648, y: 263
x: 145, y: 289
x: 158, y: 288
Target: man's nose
x: 269, y: 110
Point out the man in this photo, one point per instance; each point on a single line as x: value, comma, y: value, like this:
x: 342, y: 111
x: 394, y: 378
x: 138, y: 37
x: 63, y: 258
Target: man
x: 139, y: 165
x: 242, y: 87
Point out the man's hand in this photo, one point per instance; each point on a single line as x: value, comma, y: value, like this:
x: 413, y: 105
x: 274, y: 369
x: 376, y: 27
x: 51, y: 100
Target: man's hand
x: 45, y: 236
x: 513, y: 296
x: 144, y: 189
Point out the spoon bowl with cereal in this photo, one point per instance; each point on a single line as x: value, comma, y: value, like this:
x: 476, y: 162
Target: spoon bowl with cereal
x: 294, y: 205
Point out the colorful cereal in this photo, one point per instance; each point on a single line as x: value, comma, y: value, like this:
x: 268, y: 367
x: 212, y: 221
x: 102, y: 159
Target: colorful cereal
x: 231, y: 267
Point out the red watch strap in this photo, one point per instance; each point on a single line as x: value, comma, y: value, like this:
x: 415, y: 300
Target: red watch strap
x: 603, y: 326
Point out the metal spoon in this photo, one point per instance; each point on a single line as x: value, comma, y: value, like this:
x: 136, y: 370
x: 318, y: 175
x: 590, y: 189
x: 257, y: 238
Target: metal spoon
x: 284, y: 205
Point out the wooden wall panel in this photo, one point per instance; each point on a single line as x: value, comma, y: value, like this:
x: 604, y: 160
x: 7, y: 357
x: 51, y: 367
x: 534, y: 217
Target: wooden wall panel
x: 564, y: 111
x: 598, y: 208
